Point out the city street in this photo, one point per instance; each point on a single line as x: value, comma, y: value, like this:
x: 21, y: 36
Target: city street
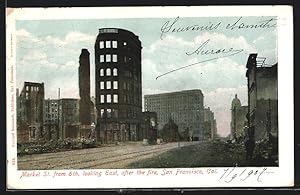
x: 111, y: 156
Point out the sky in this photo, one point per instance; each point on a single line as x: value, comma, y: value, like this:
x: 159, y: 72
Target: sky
x: 48, y: 51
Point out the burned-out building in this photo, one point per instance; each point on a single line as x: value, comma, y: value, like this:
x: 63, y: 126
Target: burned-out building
x: 30, y: 112
x: 51, y: 119
x: 149, y: 127
x: 262, y: 99
x: 185, y: 108
x: 85, y: 103
x: 118, y: 85
x: 209, y: 124
x: 238, y: 122
x: 84, y: 88
x: 69, y: 124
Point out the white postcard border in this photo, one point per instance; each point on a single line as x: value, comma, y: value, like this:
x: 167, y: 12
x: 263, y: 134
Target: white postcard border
x: 281, y: 176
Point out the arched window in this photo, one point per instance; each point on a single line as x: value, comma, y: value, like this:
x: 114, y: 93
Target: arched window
x: 101, y: 72
x: 115, y: 72
x: 108, y: 72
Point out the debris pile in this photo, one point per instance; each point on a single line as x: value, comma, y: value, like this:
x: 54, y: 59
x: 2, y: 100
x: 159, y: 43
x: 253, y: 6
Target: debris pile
x: 55, y: 146
x: 266, y: 153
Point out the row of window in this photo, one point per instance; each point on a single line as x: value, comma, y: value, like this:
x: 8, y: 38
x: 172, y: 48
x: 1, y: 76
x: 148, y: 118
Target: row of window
x: 108, y: 85
x: 108, y: 72
x: 109, y: 58
x: 109, y: 44
x: 114, y: 113
x: 109, y: 113
x: 127, y: 99
x: 113, y: 58
x: 109, y: 98
x: 48, y: 109
x: 32, y: 88
x: 51, y: 115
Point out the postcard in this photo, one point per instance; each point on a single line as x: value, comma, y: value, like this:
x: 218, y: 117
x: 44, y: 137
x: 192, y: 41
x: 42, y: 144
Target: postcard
x: 149, y: 97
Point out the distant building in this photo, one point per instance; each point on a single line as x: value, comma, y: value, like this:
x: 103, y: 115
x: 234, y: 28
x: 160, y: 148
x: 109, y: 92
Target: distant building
x: 262, y: 98
x: 85, y: 103
x: 210, y: 126
x: 149, y: 127
x: 51, y: 119
x: 30, y: 112
x: 238, y: 119
x: 118, y: 85
x: 185, y: 108
x: 69, y: 124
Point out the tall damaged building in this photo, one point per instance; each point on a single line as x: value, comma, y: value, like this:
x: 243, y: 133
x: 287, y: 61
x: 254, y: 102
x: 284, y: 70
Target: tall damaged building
x: 118, y: 85
x: 85, y: 103
x: 262, y: 99
x: 30, y: 112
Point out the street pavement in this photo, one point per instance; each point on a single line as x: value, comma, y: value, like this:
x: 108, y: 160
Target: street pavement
x: 109, y: 156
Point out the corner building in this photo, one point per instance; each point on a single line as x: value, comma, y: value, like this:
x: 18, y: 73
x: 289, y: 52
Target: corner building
x: 118, y: 85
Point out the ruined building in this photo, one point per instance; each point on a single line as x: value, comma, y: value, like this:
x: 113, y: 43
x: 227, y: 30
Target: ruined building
x: 85, y: 103
x: 262, y: 99
x: 51, y: 119
x: 209, y: 125
x: 30, y: 112
x: 69, y: 125
x: 118, y: 85
x: 185, y: 108
x: 149, y: 127
x: 238, y: 119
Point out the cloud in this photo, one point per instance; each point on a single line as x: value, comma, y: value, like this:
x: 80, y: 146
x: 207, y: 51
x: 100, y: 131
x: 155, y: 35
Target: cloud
x: 23, y: 33
x: 51, y: 59
x: 76, y: 36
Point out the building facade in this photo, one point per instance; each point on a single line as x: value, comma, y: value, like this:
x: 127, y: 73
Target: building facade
x: 262, y: 99
x: 185, y: 108
x: 118, y: 85
x: 51, y: 119
x: 210, y: 124
x: 30, y: 108
x: 238, y: 122
x: 68, y: 116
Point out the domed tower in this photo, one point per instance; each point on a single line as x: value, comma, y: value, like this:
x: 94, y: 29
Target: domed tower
x: 238, y: 119
x: 235, y: 107
x: 118, y: 85
x: 236, y: 103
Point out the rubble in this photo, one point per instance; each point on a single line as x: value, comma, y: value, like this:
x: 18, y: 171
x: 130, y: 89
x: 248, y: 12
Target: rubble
x: 265, y: 153
x: 55, y: 146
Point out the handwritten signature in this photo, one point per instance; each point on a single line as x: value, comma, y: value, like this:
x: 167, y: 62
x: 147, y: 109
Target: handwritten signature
x: 173, y: 27
x: 201, y: 50
x: 231, y: 174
